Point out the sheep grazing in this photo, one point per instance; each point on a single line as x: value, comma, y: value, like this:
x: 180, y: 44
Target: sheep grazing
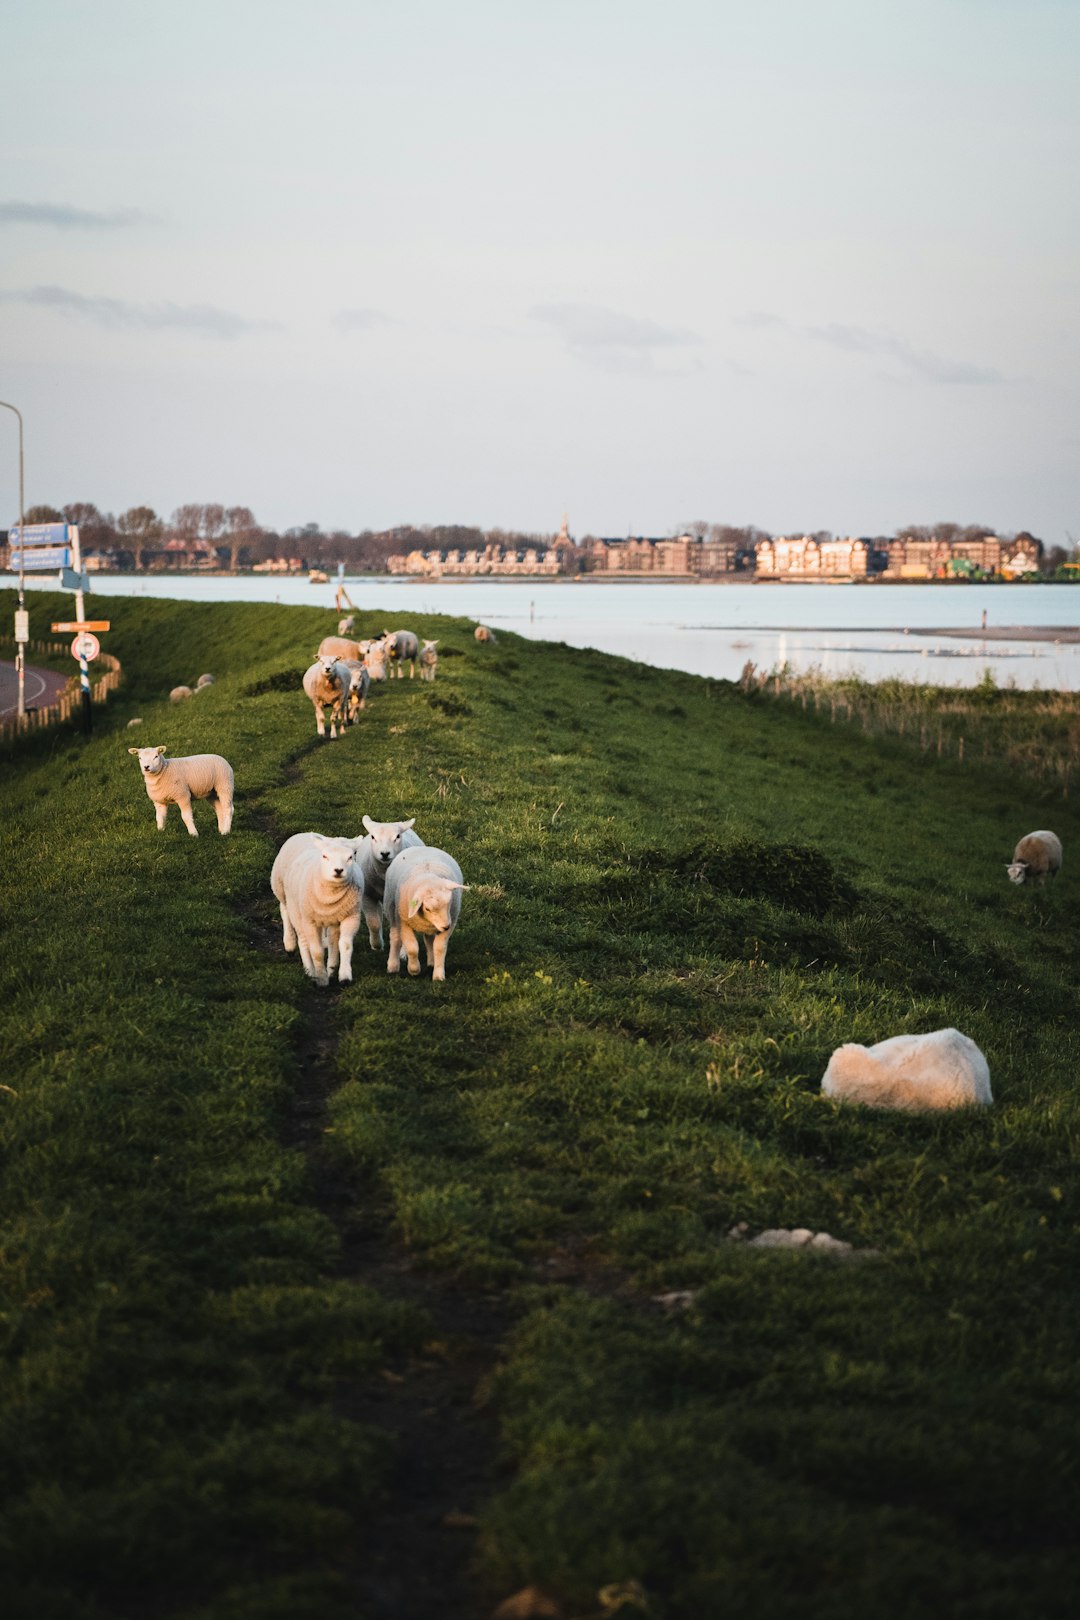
x: 345, y: 626
x: 429, y: 660
x: 1036, y: 857
x: 319, y: 888
x: 203, y: 682
x: 401, y: 646
x: 484, y: 632
x: 327, y: 684
x: 339, y: 647
x: 943, y: 1069
x: 422, y: 896
x: 384, y: 841
x: 189, y: 776
x: 179, y: 693
x: 359, y: 681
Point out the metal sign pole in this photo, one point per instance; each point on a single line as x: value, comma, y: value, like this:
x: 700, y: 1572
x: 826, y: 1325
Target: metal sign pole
x: 80, y: 614
x: 22, y: 629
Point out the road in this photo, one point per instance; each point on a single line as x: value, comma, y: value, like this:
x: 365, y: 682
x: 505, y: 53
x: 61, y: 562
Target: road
x: 43, y: 686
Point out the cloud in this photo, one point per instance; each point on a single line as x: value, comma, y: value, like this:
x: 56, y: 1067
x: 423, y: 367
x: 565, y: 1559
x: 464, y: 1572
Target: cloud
x: 117, y: 315
x: 361, y: 320
x: 70, y: 219
x: 614, y: 342
x: 924, y: 363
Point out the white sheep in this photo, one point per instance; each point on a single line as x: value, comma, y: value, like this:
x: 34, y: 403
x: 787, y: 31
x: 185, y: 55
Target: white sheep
x: 484, y: 632
x: 345, y: 626
x: 384, y: 841
x: 359, y: 681
x: 179, y: 693
x: 188, y: 776
x: 326, y: 684
x: 942, y: 1069
x: 375, y: 658
x: 338, y: 647
x: 401, y: 645
x: 319, y: 888
x: 204, y: 681
x: 1036, y: 857
x: 422, y: 896
x: 429, y: 660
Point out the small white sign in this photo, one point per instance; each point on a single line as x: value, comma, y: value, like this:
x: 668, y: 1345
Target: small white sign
x: 22, y: 624
x: 86, y: 645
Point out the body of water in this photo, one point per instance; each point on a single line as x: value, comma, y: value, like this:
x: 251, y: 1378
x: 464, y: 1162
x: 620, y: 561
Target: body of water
x: 872, y: 630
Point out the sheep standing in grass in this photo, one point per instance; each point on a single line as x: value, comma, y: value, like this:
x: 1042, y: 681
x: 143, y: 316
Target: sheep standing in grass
x: 1036, y: 857
x: 375, y: 659
x: 942, y: 1069
x: 422, y: 896
x: 384, y: 841
x: 319, y: 888
x: 339, y: 647
x: 359, y: 681
x: 401, y: 645
x: 327, y: 684
x: 484, y: 632
x: 189, y: 776
x: 345, y: 626
x: 429, y: 660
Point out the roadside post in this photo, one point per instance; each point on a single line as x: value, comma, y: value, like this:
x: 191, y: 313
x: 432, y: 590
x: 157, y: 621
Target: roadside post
x: 22, y: 617
x: 48, y: 548
x: 86, y: 647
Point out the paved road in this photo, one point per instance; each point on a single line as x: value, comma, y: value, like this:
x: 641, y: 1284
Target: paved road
x: 43, y: 686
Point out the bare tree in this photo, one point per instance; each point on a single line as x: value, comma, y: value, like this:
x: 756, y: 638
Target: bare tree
x: 141, y: 530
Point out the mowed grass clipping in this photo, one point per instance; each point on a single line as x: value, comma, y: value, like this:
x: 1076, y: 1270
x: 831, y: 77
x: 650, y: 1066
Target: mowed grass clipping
x: 682, y: 900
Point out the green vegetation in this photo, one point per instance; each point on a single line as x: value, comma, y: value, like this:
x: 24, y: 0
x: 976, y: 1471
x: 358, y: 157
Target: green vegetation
x: 254, y: 1232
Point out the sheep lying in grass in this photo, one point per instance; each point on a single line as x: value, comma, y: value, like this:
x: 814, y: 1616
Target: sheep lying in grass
x: 203, y: 682
x: 189, y: 776
x: 942, y: 1069
x: 384, y: 841
x: 179, y: 693
x: 422, y: 896
x: 327, y: 684
x: 401, y: 645
x: 429, y: 660
x: 359, y: 681
x: 319, y: 888
x: 483, y: 632
x: 1036, y: 857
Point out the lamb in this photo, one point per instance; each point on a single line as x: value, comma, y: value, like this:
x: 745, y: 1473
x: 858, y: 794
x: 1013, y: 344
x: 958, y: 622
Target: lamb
x: 1036, y: 857
x: 339, y: 647
x: 345, y: 626
x: 203, y: 682
x: 359, y: 681
x: 401, y: 645
x: 327, y: 683
x: 187, y: 777
x: 429, y: 660
x: 179, y: 693
x: 422, y: 896
x: 319, y: 888
x: 942, y: 1069
x: 384, y: 840
x: 483, y: 632
x: 375, y: 659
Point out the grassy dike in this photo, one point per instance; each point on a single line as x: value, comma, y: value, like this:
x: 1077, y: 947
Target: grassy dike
x: 288, y: 1275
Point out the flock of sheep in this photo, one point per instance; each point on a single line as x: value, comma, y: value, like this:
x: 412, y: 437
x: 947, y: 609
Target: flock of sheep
x: 325, y: 886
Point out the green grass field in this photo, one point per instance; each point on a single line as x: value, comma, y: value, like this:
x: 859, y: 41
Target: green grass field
x: 290, y: 1275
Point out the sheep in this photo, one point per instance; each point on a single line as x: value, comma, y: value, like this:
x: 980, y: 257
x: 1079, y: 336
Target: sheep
x: 375, y: 659
x: 401, y: 645
x: 179, y: 693
x: 187, y: 777
x: 422, y: 895
x: 338, y: 647
x: 484, y: 632
x: 384, y: 840
x: 319, y: 888
x: 136, y: 720
x: 1036, y: 857
x: 359, y: 681
x: 204, y: 681
x: 942, y: 1069
x: 429, y: 660
x: 345, y: 626
x: 327, y: 683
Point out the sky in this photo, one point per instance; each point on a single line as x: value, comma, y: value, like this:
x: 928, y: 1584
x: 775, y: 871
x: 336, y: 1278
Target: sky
x: 807, y: 264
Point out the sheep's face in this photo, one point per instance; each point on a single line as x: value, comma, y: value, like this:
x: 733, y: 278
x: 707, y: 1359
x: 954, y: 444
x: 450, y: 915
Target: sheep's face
x: 386, y: 839
x: 357, y: 680
x: 1018, y: 871
x: 336, y: 856
x: 328, y: 661
x: 432, y: 904
x: 429, y: 646
x: 151, y: 760
x: 375, y: 659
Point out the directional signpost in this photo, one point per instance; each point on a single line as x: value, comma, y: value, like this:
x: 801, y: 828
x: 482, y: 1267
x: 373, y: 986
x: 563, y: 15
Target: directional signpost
x: 85, y: 647
x: 42, y: 548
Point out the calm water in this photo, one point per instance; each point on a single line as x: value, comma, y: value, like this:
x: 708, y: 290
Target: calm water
x: 711, y: 629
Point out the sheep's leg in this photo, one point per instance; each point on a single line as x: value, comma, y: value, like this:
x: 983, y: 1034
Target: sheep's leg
x: 331, y: 937
x: 311, y: 953
x: 288, y: 932
x: 160, y: 812
x: 441, y: 942
x: 411, y: 669
x: 429, y: 949
x: 320, y: 720
x: 188, y: 818
x: 224, y: 808
x: 412, y: 949
x: 393, y: 960
x: 373, y: 918
x: 348, y: 933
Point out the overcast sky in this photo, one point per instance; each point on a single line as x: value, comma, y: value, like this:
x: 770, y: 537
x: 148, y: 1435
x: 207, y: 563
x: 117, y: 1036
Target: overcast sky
x: 799, y: 263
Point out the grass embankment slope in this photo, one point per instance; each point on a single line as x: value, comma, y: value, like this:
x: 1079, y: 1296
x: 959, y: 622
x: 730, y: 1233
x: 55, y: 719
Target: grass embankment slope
x: 247, y: 1223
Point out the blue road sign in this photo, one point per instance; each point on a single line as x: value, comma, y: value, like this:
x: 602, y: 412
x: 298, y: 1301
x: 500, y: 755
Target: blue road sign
x: 41, y: 560
x: 38, y: 534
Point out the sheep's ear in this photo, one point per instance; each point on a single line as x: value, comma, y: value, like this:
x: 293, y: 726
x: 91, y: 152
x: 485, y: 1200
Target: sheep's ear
x: 160, y: 750
x: 457, y: 885
x: 368, y: 823
x: 133, y: 750
x: 405, y: 825
x: 415, y: 906
x: 318, y: 837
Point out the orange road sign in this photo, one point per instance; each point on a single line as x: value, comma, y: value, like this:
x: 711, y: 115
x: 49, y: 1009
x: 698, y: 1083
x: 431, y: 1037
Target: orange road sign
x: 82, y: 624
